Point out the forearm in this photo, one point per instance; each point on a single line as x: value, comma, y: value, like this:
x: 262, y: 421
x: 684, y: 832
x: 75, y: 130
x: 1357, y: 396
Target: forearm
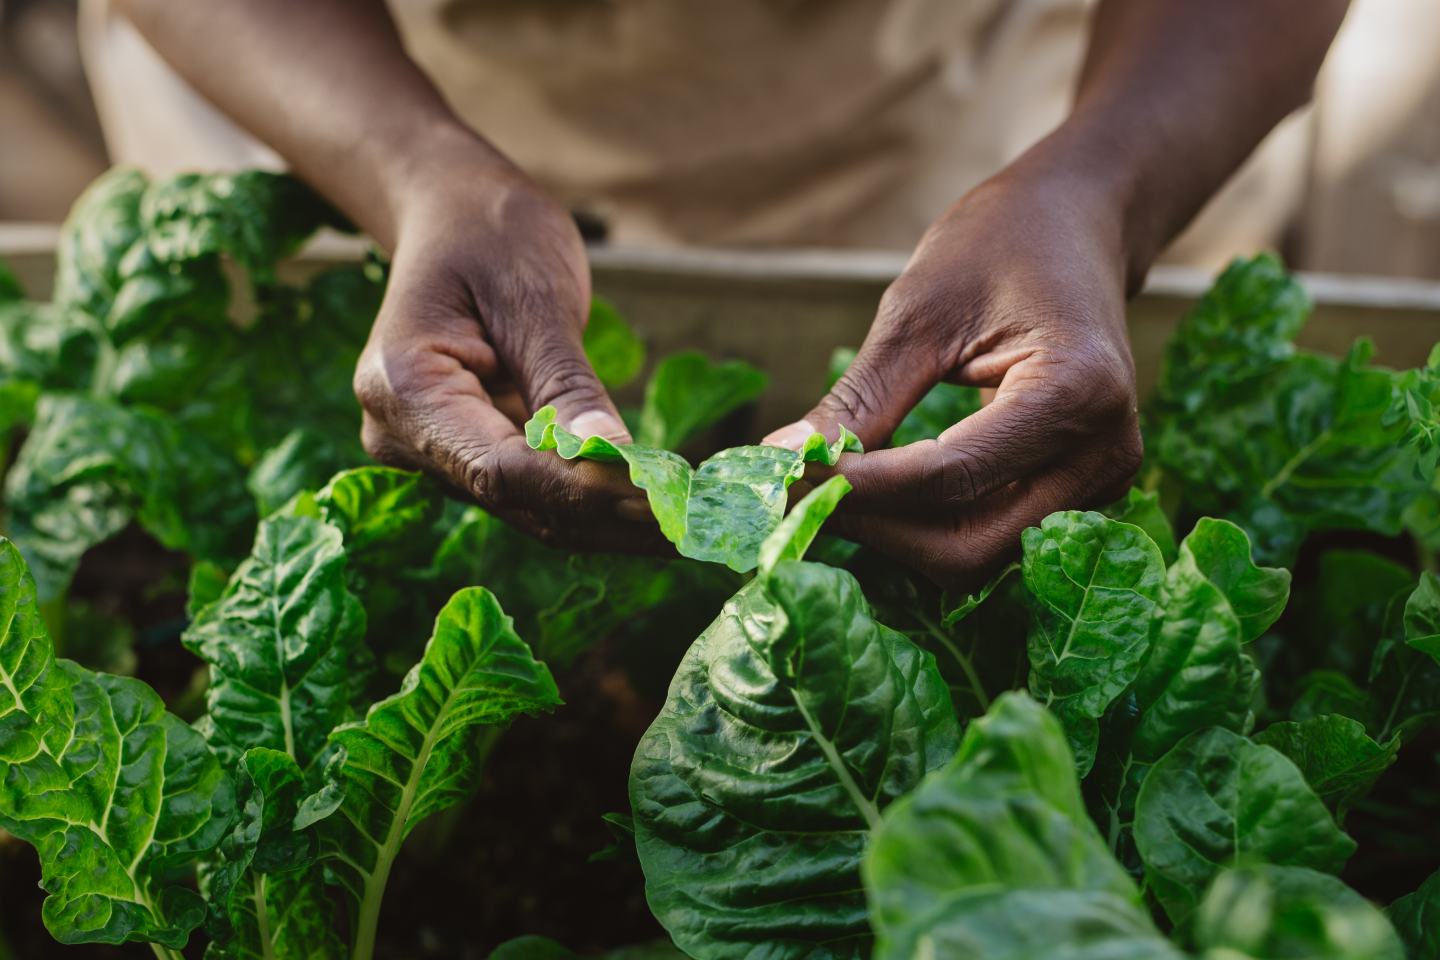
x: 328, y: 85
x: 1174, y: 95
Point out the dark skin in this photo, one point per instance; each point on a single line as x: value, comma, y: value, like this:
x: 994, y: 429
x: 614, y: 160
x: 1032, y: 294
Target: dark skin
x: 1020, y: 286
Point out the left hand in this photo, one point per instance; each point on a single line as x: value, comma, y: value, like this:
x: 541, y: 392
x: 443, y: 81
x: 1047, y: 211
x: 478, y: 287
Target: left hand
x: 1020, y: 287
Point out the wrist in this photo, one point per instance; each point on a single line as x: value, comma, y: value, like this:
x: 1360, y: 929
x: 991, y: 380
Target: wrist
x: 421, y: 180
x: 1108, y: 175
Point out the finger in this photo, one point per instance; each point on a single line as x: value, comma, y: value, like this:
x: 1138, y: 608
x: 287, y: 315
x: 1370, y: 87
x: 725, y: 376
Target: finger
x: 550, y: 369
x: 1040, y: 416
x: 966, y: 549
x: 451, y: 429
x: 891, y: 372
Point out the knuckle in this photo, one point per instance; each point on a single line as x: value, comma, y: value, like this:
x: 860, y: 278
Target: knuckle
x: 959, y: 478
x: 856, y: 396
x: 557, y: 376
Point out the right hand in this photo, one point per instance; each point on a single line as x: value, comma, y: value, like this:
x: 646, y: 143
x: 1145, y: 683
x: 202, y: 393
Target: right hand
x: 481, y: 325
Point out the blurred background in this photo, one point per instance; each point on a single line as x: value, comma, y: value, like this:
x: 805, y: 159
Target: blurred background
x: 1352, y: 184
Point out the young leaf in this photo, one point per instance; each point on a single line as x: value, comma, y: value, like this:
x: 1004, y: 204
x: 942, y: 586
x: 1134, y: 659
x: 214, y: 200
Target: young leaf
x: 1095, y: 586
x: 1142, y: 508
x: 797, y: 531
x: 284, y: 644
x: 720, y: 511
x: 1417, y: 918
x: 1218, y: 800
x: 1197, y: 675
x: 612, y: 348
x: 688, y: 393
x: 422, y: 749
x: 118, y: 797
x: 1269, y: 911
x: 993, y: 856
x: 265, y: 864
x: 793, y: 721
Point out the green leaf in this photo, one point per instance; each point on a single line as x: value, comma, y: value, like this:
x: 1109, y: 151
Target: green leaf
x: 993, y: 856
x: 422, y: 749
x: 380, y: 511
x: 1269, y: 911
x: 1336, y: 755
x: 794, y: 534
x: 284, y: 644
x: 206, y: 583
x: 792, y: 722
x: 1094, y: 587
x: 1142, y: 508
x: 721, y: 511
x: 1417, y: 918
x: 1344, y: 611
x: 118, y: 797
x: 1197, y: 674
x: 1218, y: 800
x: 688, y: 393
x: 304, y: 460
x: 266, y: 864
x: 612, y: 348
x: 1422, y: 616
x: 90, y: 467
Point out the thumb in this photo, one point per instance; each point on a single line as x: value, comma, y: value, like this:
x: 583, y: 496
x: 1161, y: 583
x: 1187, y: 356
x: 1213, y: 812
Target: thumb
x: 554, y: 371
x: 882, y: 384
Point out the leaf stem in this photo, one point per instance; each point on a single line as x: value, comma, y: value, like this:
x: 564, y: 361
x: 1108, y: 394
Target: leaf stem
x: 1293, y: 464
x: 165, y: 953
x: 967, y: 666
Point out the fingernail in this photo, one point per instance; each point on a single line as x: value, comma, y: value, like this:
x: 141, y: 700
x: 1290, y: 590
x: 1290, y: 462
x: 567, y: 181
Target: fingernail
x: 598, y: 423
x: 792, y: 437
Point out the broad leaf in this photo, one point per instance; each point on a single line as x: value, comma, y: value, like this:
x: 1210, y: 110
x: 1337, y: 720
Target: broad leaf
x: 688, y: 393
x: 118, y: 797
x: 1218, y: 800
x: 1269, y: 911
x: 793, y: 721
x: 793, y: 536
x: 720, y: 511
x: 1094, y: 585
x: 994, y: 856
x: 284, y: 644
x: 1142, y: 508
x: 422, y: 749
x: 265, y: 864
x: 1336, y: 755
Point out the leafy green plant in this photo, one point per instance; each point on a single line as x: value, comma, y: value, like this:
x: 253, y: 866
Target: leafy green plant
x: 1153, y: 736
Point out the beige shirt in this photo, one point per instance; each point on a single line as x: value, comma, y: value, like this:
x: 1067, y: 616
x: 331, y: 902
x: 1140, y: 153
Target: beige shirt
x: 829, y: 123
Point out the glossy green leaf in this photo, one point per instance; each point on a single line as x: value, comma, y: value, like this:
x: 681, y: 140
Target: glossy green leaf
x: 1142, y: 508
x: 90, y: 467
x: 792, y: 722
x: 1268, y: 911
x: 687, y: 393
x: 1417, y: 918
x: 304, y: 460
x: 380, y: 511
x: 284, y: 644
x: 118, y: 797
x: 1218, y: 800
x: 720, y: 511
x: 1197, y: 674
x: 422, y: 749
x: 265, y: 864
x: 794, y: 534
x: 612, y: 348
x: 993, y: 856
x: 1336, y: 755
x: 1095, y: 587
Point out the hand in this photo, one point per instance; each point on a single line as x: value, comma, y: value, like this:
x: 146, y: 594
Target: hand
x: 1020, y: 286
x: 481, y: 325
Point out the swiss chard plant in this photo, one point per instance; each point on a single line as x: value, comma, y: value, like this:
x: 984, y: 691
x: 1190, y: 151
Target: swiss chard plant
x: 1171, y: 729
